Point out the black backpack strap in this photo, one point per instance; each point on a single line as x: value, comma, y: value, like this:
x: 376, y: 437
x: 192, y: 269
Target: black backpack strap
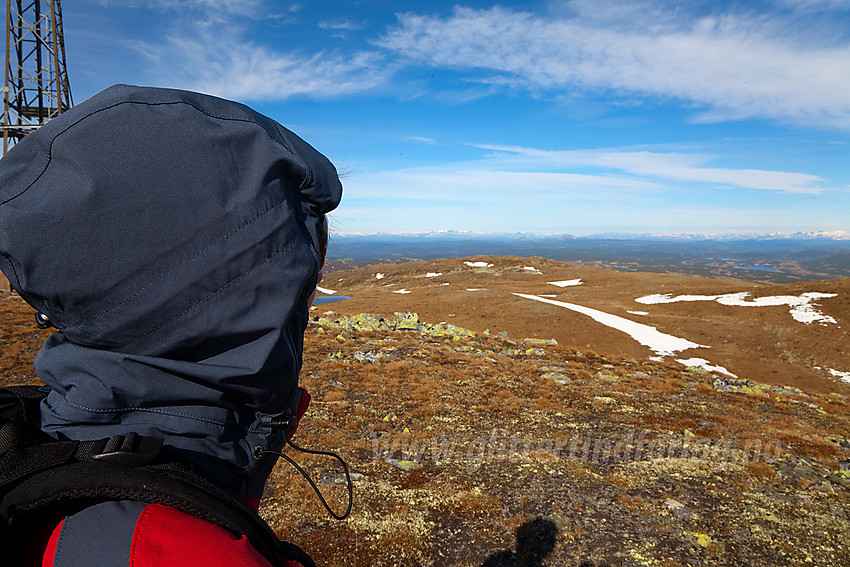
x: 19, y: 417
x: 80, y: 484
x: 21, y: 402
x: 39, y: 473
x: 24, y: 448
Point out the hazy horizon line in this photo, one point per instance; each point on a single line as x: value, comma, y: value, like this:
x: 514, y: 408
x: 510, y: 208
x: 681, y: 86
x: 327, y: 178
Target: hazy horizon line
x: 838, y: 235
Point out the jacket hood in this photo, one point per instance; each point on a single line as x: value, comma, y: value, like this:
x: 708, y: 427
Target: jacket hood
x: 172, y: 238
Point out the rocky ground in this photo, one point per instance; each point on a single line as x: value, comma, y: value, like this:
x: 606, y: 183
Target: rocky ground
x: 456, y: 442
x: 461, y: 441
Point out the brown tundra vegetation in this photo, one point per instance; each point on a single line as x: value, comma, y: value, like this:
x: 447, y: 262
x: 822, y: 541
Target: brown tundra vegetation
x: 469, y: 445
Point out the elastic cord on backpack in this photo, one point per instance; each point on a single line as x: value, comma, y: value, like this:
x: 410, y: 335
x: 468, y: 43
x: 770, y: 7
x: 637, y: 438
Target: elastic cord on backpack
x: 259, y: 451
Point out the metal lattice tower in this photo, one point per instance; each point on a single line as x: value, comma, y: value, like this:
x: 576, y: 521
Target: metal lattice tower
x: 36, y: 87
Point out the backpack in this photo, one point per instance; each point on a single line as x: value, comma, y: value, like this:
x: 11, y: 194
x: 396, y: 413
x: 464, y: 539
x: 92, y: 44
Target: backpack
x: 39, y: 473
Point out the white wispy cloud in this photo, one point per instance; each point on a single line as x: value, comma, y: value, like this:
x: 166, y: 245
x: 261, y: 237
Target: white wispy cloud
x: 250, y: 72
x: 208, y: 48
x: 728, y: 66
x: 341, y: 24
x: 582, y: 191
x: 479, y: 182
x: 445, y: 198
x: 532, y: 183
x: 227, y: 65
x: 816, y: 5
x: 213, y: 10
x: 687, y: 167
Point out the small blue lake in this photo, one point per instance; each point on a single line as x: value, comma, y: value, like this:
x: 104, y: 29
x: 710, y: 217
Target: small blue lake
x: 322, y: 299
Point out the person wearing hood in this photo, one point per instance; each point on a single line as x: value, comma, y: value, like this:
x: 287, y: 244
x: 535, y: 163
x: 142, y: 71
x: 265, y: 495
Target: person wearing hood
x: 175, y: 240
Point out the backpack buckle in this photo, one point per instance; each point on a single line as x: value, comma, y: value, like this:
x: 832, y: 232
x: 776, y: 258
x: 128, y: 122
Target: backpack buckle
x: 129, y: 449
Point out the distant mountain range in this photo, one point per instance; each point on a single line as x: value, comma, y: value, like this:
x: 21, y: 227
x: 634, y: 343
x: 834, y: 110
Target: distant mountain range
x: 758, y: 258
x: 688, y: 237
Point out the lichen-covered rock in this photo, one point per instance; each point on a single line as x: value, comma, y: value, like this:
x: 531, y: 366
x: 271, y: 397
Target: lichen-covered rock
x: 557, y: 377
x: 401, y: 321
x: 404, y: 465
x: 453, y: 331
x: 788, y: 390
x: 725, y: 384
x: 369, y: 356
x: 458, y: 333
x: 703, y: 540
x: 540, y: 341
x: 430, y: 330
x: 450, y: 331
x: 345, y: 335
x: 368, y: 322
x: 329, y: 323
x: 840, y: 477
x: 469, y: 348
x: 406, y: 321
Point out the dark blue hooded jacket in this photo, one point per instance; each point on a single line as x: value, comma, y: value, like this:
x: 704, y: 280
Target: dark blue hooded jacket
x: 172, y: 238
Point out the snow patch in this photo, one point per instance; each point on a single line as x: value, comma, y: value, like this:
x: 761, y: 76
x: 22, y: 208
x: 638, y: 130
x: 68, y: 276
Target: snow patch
x: 379, y: 276
x: 325, y: 290
x: 433, y: 274
x: 475, y: 289
x: 402, y: 291
x: 845, y: 376
x: 802, y: 306
x: 478, y: 264
x: 668, y: 298
x: 703, y: 363
x: 638, y: 312
x: 660, y: 343
x: 566, y: 283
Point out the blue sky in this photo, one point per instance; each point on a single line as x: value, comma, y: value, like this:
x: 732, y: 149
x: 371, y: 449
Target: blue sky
x: 577, y: 117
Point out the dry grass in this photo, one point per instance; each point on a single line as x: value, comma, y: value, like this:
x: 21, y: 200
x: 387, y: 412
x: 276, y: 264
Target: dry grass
x: 468, y: 507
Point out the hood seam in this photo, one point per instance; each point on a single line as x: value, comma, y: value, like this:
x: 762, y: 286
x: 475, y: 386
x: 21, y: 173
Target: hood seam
x: 174, y: 269
x: 273, y: 255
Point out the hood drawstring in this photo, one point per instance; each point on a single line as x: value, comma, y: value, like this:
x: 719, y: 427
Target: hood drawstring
x: 286, y: 422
